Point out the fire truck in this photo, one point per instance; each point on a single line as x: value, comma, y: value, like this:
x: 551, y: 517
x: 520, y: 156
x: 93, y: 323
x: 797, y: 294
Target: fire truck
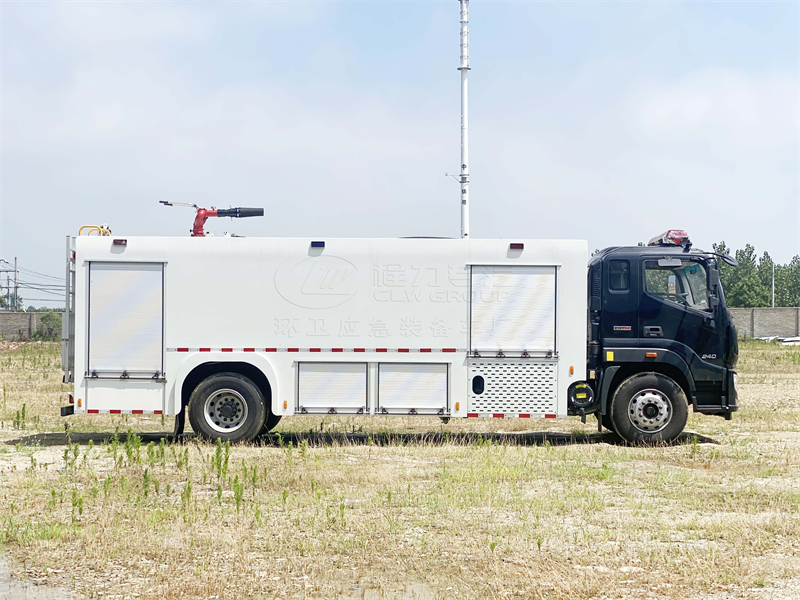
x: 239, y: 332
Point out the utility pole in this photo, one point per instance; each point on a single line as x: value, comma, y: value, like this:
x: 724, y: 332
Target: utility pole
x: 16, y: 285
x: 464, y: 68
x: 773, y: 284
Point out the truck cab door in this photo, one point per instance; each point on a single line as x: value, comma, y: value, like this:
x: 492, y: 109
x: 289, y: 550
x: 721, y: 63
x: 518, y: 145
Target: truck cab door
x: 676, y: 313
x: 619, y: 325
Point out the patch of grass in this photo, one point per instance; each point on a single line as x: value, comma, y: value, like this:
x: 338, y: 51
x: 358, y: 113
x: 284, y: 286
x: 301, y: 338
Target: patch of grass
x: 454, y: 517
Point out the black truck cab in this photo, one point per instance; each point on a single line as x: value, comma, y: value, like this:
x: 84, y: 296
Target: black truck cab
x: 660, y: 339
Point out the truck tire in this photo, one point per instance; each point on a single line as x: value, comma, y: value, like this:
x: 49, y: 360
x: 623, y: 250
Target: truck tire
x: 270, y: 423
x: 228, y: 407
x: 649, y: 408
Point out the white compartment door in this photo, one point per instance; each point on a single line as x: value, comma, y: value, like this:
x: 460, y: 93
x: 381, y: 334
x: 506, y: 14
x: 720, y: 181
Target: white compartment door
x: 513, y: 308
x: 331, y: 388
x: 412, y: 388
x: 126, y: 319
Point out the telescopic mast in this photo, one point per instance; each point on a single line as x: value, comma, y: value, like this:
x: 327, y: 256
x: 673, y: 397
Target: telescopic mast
x: 464, y: 68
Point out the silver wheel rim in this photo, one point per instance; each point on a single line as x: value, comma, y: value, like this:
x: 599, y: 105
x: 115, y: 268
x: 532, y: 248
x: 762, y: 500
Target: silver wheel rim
x: 650, y: 411
x: 225, y: 410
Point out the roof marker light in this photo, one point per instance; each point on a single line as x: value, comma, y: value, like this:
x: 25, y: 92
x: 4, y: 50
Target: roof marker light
x: 672, y: 237
x: 517, y: 246
x: 317, y: 244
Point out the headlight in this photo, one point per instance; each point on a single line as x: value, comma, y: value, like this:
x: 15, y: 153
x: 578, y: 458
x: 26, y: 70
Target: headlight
x: 735, y: 380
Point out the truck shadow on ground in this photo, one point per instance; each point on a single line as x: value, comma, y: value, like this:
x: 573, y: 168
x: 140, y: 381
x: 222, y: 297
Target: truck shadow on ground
x: 312, y: 438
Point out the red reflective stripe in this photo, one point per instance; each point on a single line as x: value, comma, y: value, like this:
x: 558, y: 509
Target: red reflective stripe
x: 248, y: 349
x: 315, y: 349
x: 182, y: 349
x: 137, y: 412
x: 93, y: 411
x: 270, y: 349
x: 402, y: 350
x: 204, y: 349
x: 448, y: 349
x: 337, y: 349
x: 359, y: 350
x: 158, y: 412
x: 428, y: 350
x: 525, y: 416
x: 498, y: 415
x: 381, y: 350
x: 293, y: 349
x: 472, y: 414
x: 549, y: 416
x: 115, y: 412
x: 226, y: 349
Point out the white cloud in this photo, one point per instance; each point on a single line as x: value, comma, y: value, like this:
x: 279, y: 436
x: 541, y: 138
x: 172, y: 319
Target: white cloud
x: 726, y: 105
x: 96, y: 25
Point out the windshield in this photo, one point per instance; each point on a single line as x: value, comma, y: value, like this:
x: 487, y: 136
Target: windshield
x: 685, y: 284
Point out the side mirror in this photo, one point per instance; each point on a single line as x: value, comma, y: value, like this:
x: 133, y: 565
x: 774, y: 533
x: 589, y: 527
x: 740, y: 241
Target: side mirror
x: 713, y: 278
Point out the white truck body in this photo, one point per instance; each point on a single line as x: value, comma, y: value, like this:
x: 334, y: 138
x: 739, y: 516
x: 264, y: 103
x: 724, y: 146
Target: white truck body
x: 337, y: 326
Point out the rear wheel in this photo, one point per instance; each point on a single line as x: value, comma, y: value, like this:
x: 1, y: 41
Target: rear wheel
x: 649, y: 408
x: 227, y: 406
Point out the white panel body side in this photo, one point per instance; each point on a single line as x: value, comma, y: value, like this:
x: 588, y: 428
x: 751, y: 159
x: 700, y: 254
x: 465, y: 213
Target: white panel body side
x: 113, y: 394
x: 370, y: 294
x: 571, y: 319
x: 126, y: 317
x: 81, y: 346
x: 406, y: 386
x: 341, y: 386
x: 513, y: 308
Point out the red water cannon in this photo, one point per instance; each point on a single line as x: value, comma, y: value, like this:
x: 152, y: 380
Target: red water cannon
x: 202, y: 214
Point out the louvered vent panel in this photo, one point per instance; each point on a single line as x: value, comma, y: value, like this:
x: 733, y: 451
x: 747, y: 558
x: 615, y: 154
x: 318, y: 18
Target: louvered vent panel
x: 514, y: 387
x: 595, y: 284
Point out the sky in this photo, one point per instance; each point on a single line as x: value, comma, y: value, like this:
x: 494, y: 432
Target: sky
x: 606, y: 121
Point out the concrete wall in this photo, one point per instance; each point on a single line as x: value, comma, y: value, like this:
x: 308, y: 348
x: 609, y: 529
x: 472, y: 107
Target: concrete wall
x: 15, y: 326
x: 766, y: 322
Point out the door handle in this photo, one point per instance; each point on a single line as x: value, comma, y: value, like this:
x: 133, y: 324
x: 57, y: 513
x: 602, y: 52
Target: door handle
x: 653, y: 331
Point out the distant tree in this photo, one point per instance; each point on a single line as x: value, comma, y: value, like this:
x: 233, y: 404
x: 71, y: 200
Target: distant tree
x: 49, y: 327
x: 790, y: 283
x: 750, y: 284
x: 32, y: 308
x: 747, y: 290
x: 765, y: 271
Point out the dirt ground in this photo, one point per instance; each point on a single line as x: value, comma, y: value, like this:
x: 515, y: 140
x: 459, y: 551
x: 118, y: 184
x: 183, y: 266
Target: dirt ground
x: 363, y: 508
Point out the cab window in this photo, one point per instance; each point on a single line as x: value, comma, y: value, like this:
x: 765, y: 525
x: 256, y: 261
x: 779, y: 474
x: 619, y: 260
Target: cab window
x: 619, y: 275
x: 685, y: 282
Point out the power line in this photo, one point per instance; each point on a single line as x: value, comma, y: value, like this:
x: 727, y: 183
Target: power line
x: 36, y: 273
x: 32, y: 272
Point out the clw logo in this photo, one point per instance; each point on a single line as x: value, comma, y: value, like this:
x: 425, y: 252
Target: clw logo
x: 317, y: 281
x: 328, y: 277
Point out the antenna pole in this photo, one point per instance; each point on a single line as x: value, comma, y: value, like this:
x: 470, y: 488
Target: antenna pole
x: 464, y: 68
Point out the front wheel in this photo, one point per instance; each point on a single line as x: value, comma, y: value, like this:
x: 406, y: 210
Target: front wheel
x: 649, y: 408
x: 227, y: 406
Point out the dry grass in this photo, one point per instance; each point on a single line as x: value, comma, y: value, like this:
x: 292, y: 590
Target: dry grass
x: 371, y: 508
